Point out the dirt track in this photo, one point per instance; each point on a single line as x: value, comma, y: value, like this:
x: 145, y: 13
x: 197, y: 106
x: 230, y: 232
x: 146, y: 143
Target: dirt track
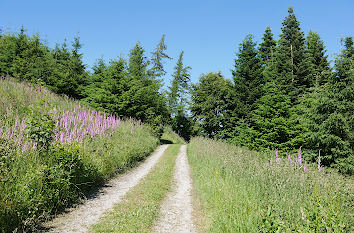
x: 81, y: 218
x: 176, y: 210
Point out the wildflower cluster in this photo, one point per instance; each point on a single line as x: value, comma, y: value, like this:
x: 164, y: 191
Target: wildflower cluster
x: 298, y: 161
x: 70, y: 126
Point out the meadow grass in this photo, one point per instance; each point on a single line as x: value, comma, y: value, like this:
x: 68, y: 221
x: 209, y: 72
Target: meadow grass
x: 16, y: 97
x: 35, y: 183
x: 169, y: 136
x: 240, y: 191
x: 140, y: 207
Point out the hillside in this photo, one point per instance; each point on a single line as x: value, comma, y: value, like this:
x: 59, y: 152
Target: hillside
x: 247, y: 191
x: 54, y: 150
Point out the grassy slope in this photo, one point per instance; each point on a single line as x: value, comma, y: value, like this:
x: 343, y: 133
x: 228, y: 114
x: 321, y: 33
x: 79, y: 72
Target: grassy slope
x: 241, y: 192
x: 140, y: 208
x: 170, y: 137
x: 33, y: 185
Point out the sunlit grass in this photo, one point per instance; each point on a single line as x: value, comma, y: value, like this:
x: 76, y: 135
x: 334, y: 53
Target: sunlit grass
x: 88, y: 148
x: 241, y: 192
x: 140, y: 208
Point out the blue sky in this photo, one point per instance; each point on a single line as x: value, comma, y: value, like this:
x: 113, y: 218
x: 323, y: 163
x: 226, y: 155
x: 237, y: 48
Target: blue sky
x: 208, y: 31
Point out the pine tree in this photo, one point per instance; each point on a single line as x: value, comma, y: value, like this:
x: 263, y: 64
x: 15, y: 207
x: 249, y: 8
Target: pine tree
x: 315, y: 50
x: 267, y: 47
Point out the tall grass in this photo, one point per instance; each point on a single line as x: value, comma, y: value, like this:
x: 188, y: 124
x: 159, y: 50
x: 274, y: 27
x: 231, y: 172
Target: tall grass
x: 242, y: 191
x: 53, y: 151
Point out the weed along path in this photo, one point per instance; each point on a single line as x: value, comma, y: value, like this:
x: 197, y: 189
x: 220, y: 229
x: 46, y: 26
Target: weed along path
x: 81, y: 218
x: 176, y: 210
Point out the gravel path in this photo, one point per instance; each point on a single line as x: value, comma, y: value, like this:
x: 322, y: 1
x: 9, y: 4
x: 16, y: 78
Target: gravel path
x: 81, y: 218
x: 176, y: 210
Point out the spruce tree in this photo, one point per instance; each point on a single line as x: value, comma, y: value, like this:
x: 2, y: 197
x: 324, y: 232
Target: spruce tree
x: 98, y: 94
x: 267, y: 47
x: 272, y: 124
x: 8, y: 48
x: 138, y: 63
x: 248, y: 79
x: 78, y: 75
x: 292, y: 63
x: 315, y: 49
x: 141, y: 98
x: 59, y: 80
x: 328, y: 114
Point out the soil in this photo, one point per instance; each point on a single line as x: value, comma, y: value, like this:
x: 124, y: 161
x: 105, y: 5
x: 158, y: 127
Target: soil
x: 176, y: 210
x: 80, y: 218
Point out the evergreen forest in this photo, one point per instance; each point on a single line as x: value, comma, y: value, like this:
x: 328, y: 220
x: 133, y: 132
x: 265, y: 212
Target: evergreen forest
x: 283, y: 94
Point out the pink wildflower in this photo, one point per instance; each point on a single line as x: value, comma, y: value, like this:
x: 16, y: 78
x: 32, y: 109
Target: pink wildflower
x: 290, y: 160
x: 299, y: 159
x: 319, y: 160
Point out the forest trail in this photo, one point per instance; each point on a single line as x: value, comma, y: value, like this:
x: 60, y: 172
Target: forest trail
x: 79, y: 219
x: 176, y: 210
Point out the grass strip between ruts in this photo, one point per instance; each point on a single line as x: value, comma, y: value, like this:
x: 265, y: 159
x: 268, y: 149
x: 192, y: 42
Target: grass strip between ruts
x: 141, y: 206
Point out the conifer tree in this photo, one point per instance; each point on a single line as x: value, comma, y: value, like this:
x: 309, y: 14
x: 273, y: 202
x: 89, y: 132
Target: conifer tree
x: 158, y: 55
x: 141, y: 98
x: 247, y: 77
x: 98, y: 93
x: 178, y: 97
x: 272, y: 124
x: 138, y: 63
x: 22, y: 44
x: 78, y: 75
x: 328, y: 114
x: 8, y: 45
x: 117, y: 72
x: 59, y: 80
x: 292, y: 64
x: 267, y: 47
x: 69, y: 76
x: 315, y: 50
x: 180, y: 85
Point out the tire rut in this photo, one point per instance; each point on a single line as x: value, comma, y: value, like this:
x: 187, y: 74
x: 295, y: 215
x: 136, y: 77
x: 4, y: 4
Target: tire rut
x: 80, y: 219
x: 176, y: 210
